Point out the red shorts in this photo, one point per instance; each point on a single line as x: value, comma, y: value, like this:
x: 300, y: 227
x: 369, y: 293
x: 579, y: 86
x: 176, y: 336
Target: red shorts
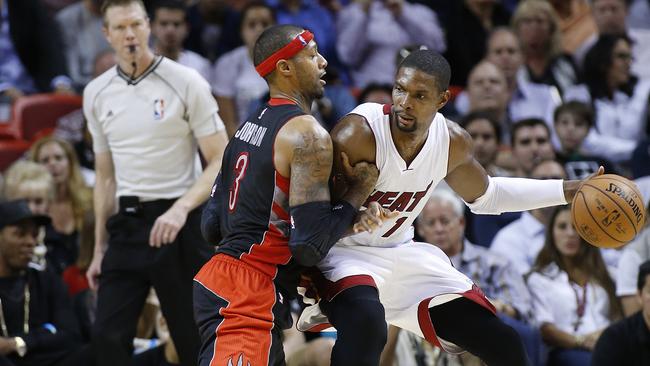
x: 233, y: 308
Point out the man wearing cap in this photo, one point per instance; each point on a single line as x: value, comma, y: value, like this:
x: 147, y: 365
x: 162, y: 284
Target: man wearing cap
x: 37, y: 325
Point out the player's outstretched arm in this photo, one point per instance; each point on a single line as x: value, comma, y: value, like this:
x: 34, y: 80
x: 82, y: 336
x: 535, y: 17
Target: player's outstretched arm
x: 495, y: 195
x: 304, y: 149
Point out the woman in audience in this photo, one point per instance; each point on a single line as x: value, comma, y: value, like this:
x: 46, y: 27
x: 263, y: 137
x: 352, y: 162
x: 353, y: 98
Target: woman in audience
x: 538, y: 29
x: 573, y: 294
x: 619, y: 99
x: 72, y: 199
x: 236, y: 83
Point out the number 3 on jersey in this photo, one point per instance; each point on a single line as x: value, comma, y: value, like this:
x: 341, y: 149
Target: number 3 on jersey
x: 240, y: 171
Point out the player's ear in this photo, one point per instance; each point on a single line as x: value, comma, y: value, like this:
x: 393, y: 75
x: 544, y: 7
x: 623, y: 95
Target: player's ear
x: 283, y: 67
x: 444, y: 98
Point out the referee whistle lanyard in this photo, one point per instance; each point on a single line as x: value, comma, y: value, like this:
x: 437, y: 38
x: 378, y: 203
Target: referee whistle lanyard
x: 581, y: 304
x: 26, y: 298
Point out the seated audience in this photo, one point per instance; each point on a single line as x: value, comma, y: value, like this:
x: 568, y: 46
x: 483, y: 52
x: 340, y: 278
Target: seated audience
x: 573, y: 293
x: 72, y: 199
x: 521, y: 240
x: 538, y: 30
x: 627, y: 342
x: 572, y: 121
x: 619, y: 99
x: 47, y: 334
x: 635, y: 253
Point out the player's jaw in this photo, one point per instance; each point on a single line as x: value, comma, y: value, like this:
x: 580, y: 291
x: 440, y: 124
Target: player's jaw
x: 404, y: 121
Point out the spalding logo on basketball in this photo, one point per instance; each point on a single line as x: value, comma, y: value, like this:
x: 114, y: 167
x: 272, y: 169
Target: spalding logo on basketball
x: 608, y: 211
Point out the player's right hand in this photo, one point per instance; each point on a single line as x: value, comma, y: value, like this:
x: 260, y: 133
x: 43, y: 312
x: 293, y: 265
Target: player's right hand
x: 373, y: 217
x: 362, y: 174
x: 94, y: 270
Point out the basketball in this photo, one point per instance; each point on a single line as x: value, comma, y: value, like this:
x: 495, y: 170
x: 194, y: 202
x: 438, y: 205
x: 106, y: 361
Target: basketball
x: 608, y: 211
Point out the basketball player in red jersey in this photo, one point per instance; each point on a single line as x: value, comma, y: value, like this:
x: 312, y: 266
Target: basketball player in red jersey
x: 270, y: 209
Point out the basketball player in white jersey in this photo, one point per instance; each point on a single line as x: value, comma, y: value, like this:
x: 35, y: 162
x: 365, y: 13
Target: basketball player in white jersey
x: 370, y: 278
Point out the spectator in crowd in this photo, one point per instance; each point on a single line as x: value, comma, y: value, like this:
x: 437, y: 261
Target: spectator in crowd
x: 442, y: 224
x: 639, y: 161
x: 29, y: 181
x: 467, y: 27
x: 370, y: 32
x: 487, y: 91
x: 572, y: 122
x: 531, y: 144
x: 521, y: 240
x: 83, y: 40
x: 486, y: 135
x: 639, y: 14
x: 538, y: 30
x: 149, y: 183
x: 38, y: 326
x: 169, y: 29
x: 635, y: 253
x: 527, y: 99
x: 376, y: 93
x: 627, y: 342
x: 213, y: 28
x: 73, y: 128
x: 310, y: 14
x: 619, y: 99
x: 31, y: 52
x: 236, y: 83
x: 575, y: 21
x: 72, y: 200
x: 610, y: 17
x: 573, y: 293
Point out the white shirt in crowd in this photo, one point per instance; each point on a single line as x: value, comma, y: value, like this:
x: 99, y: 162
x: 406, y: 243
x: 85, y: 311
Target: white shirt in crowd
x: 197, y: 62
x: 235, y: 77
x: 555, y: 301
x: 520, y: 242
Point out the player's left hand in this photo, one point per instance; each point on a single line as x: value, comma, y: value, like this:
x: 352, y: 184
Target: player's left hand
x: 167, y: 226
x: 372, y: 218
x: 572, y: 186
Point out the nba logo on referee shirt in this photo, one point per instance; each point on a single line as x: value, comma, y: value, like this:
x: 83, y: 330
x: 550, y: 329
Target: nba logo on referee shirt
x: 158, y: 109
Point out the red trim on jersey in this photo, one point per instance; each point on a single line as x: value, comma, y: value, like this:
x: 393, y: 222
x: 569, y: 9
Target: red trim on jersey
x: 282, y: 182
x: 282, y: 214
x: 280, y: 101
x: 387, y: 108
x: 327, y: 289
x: 272, y: 251
x: 477, y: 295
x: 426, y: 325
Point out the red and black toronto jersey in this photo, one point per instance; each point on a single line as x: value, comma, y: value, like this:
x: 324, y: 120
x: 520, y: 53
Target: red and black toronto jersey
x: 253, y: 198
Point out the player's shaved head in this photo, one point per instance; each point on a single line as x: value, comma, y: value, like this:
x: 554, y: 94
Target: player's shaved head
x: 272, y: 39
x: 431, y: 63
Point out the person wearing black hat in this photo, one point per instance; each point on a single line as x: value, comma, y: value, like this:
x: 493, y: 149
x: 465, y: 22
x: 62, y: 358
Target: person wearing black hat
x: 37, y: 325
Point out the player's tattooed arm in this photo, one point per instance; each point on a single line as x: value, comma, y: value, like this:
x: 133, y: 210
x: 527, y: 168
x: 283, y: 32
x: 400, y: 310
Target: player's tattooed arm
x: 311, y: 165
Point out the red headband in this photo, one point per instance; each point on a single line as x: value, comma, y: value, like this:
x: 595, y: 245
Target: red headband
x: 296, y: 45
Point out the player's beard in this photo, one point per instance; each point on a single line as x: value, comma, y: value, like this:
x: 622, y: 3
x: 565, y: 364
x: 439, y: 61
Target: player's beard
x: 412, y: 128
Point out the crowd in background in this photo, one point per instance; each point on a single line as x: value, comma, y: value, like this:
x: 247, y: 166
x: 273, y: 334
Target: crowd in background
x: 546, y: 89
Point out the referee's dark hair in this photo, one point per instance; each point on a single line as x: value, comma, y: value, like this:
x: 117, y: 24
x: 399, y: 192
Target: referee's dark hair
x: 429, y: 62
x: 644, y: 271
x: 272, y: 39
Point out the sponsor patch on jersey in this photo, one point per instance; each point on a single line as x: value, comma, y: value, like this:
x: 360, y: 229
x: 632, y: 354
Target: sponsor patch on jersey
x: 158, y: 109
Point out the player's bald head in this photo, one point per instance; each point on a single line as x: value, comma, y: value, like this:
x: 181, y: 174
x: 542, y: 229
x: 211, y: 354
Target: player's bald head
x: 431, y: 63
x: 272, y: 39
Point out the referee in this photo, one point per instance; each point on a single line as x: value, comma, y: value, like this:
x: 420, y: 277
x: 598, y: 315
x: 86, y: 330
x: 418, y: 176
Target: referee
x: 146, y: 117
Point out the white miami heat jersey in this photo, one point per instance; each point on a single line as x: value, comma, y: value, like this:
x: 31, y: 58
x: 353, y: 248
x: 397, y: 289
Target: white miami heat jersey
x: 401, y: 187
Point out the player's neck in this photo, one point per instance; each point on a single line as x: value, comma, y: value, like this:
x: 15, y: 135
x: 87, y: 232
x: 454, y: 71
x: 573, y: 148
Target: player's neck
x: 299, y: 99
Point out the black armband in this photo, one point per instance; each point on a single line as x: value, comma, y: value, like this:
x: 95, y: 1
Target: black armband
x: 210, y: 226
x: 315, y: 227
